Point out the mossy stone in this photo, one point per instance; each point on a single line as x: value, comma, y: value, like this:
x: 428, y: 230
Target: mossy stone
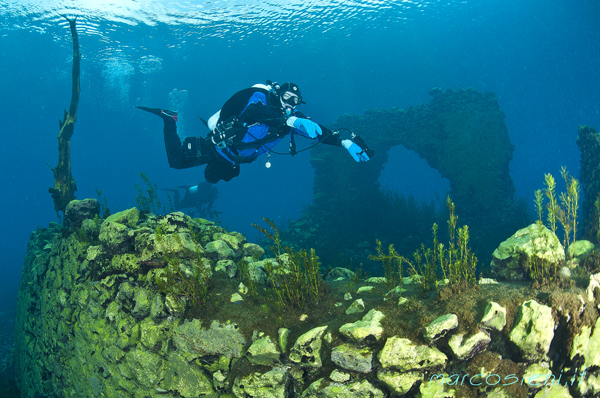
x: 129, y: 217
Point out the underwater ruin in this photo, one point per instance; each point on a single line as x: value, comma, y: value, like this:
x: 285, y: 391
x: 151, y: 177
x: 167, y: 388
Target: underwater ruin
x: 142, y: 305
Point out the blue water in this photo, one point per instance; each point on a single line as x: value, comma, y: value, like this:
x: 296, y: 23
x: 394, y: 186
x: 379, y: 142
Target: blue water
x: 540, y: 57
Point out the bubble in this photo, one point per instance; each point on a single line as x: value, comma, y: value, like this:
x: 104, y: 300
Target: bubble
x: 150, y: 64
x: 117, y: 79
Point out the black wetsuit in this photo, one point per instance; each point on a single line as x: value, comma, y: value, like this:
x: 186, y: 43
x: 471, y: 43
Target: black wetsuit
x: 260, y: 127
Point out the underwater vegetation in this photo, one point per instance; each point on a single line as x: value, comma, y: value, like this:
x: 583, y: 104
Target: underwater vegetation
x: 561, y: 211
x: 455, y: 263
x: 148, y: 200
x: 153, y: 305
x: 295, y: 279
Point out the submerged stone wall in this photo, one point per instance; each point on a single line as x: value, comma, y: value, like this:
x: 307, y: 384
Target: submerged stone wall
x: 94, y: 321
x: 461, y: 134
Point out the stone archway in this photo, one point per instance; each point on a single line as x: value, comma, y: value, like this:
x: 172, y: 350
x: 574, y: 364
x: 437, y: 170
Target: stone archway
x: 460, y: 133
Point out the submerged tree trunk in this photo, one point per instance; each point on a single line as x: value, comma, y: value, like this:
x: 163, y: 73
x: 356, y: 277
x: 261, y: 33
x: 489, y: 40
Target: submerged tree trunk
x: 64, y: 183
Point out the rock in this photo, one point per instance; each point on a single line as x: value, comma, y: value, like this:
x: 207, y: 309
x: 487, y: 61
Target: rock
x: 363, y: 289
x: 347, y: 296
x: 145, y: 366
x: 157, y: 308
x: 586, y: 346
x: 487, y: 281
x: 436, y: 390
x: 339, y: 272
x: 283, y: 335
x: 129, y: 217
x: 115, y: 237
x: 307, y: 349
x: 236, y: 298
x: 242, y: 289
x: 359, y: 389
x: 399, y: 383
x: 219, y: 339
x: 263, y: 352
x: 339, y: 377
x: 466, y: 348
x: 228, y: 267
x: 564, y: 272
x: 536, y: 376
x: 494, y: 317
x: 365, y: 330
x: 142, y: 299
x: 533, y: 331
x: 79, y: 210
x: 553, y: 391
x: 235, y: 240
x: 275, y: 383
x: 219, y: 250
x: 440, y: 327
x: 592, y: 287
x: 580, y: 249
x: 403, y: 355
x: 186, y: 378
x: 356, y: 306
x: 350, y: 357
x: 509, y: 260
x: 253, y: 250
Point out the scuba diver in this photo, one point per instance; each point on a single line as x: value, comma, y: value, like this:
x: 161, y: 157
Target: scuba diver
x: 249, y: 124
x: 200, y: 197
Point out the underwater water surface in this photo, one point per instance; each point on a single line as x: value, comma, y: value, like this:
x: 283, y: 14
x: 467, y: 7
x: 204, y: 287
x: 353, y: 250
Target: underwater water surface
x: 540, y: 58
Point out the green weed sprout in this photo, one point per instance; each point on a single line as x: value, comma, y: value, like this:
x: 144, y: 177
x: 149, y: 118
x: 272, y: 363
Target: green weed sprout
x: 564, y: 212
x: 457, y: 263
x: 391, y: 263
x: 148, y: 201
x: 103, y: 201
x: 567, y: 215
x: 552, y: 206
x: 540, y: 269
x: 296, y: 280
x: 539, y: 205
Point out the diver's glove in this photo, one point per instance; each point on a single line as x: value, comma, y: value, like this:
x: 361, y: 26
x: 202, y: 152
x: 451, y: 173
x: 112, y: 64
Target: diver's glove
x: 356, y: 151
x: 308, y: 127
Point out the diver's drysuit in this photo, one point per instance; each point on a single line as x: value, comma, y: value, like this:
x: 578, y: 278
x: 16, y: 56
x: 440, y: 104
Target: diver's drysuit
x: 246, y: 127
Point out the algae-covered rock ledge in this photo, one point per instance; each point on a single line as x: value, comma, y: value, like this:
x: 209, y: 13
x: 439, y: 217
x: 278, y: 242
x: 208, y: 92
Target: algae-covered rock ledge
x: 138, y: 305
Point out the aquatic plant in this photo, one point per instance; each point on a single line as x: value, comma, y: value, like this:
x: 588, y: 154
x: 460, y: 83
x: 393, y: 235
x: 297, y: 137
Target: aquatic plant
x: 564, y: 212
x: 103, y: 201
x: 540, y: 269
x: 295, y: 277
x: 567, y: 214
x: 539, y: 205
x: 189, y: 282
x: 552, y: 206
x: 148, y: 201
x: 391, y: 263
x: 457, y: 263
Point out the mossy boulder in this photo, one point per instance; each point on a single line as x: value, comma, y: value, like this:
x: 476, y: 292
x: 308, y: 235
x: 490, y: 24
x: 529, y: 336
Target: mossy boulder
x: 403, y: 355
x: 367, y: 329
x: 307, y: 350
x: 533, y: 331
x: 77, y: 211
x: 510, y: 260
